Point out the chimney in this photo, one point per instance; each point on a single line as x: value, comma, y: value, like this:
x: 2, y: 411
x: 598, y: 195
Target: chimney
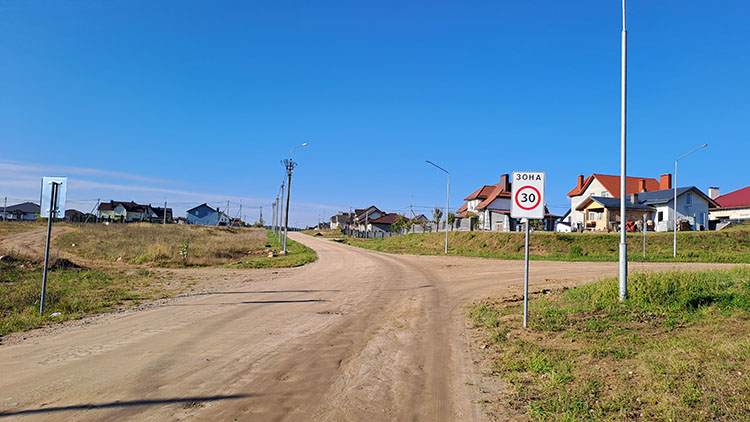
x: 505, y: 182
x: 713, y: 192
x: 665, y: 181
x: 633, y: 198
x: 642, y: 185
x: 580, y: 181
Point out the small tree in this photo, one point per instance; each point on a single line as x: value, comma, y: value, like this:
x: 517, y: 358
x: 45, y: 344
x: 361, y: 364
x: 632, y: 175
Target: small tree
x: 437, y: 215
x: 401, y: 222
x: 451, y: 219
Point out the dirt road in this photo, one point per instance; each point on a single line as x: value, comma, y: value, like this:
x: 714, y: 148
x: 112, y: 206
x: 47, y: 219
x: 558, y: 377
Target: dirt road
x: 356, y: 336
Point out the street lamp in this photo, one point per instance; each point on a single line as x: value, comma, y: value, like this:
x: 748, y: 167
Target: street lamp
x: 674, y: 208
x: 447, y: 202
x: 290, y: 168
x: 623, y: 154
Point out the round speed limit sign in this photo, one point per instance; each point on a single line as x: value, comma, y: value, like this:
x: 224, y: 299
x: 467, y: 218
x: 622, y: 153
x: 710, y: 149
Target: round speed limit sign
x: 527, y: 195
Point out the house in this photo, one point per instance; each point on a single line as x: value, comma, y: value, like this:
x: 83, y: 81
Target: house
x: 158, y: 216
x: 25, y: 211
x: 608, y: 186
x: 383, y: 223
x: 491, y: 206
x: 603, y: 213
x: 562, y: 225
x: 692, y: 207
x: 342, y: 220
x: 363, y: 216
x: 420, y: 219
x: 206, y: 216
x: 75, y: 216
x: 124, y: 211
x: 734, y: 206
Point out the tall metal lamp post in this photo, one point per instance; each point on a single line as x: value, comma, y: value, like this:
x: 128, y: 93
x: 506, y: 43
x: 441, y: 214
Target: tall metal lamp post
x: 623, y: 155
x: 289, y: 169
x: 674, y: 208
x: 447, y: 201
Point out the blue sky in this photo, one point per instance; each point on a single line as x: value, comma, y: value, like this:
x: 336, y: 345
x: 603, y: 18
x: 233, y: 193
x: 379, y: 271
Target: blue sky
x: 198, y: 101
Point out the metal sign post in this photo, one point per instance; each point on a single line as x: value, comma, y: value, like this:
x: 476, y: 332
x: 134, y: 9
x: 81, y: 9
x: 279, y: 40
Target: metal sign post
x: 645, y: 229
x: 52, y: 203
x: 527, y: 202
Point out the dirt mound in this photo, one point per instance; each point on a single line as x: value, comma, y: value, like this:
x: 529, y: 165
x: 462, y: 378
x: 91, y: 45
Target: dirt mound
x: 63, y: 264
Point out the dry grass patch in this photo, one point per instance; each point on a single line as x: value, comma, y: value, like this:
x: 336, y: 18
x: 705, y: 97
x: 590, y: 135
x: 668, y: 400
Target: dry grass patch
x: 8, y: 228
x: 165, y: 245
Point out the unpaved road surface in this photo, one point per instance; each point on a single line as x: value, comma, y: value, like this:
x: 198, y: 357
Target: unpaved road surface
x: 356, y: 336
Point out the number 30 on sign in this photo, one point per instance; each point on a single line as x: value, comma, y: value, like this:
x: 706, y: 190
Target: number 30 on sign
x: 527, y: 195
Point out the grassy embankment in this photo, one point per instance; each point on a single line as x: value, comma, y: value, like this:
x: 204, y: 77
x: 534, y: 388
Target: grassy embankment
x: 76, y: 292
x: 676, y: 350
x: 729, y: 245
x: 182, y: 245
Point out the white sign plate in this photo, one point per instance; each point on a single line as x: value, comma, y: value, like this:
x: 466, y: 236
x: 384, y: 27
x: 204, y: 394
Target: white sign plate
x: 62, y: 190
x: 527, y: 195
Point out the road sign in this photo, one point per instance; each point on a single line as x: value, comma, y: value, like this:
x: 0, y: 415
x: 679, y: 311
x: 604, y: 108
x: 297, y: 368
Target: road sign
x: 62, y: 189
x: 527, y: 195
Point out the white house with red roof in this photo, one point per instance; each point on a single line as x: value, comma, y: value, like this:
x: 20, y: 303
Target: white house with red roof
x: 363, y: 216
x: 735, y: 206
x: 608, y: 186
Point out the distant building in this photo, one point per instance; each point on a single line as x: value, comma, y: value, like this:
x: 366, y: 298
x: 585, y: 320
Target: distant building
x: 25, y: 211
x: 204, y: 215
x: 126, y: 212
x: 158, y: 215
x: 342, y: 220
x: 734, y: 206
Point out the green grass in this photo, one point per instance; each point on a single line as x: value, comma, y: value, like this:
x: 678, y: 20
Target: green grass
x: 73, y: 292
x: 731, y: 245
x: 676, y: 350
x: 297, y: 255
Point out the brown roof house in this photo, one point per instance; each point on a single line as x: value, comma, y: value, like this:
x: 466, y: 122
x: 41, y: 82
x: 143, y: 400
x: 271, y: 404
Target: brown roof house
x: 491, y: 205
x: 124, y: 211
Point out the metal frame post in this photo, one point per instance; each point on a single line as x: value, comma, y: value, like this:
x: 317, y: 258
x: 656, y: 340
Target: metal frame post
x: 447, y: 203
x: 52, y: 213
x: 674, y: 208
x: 526, y: 277
x: 645, y: 229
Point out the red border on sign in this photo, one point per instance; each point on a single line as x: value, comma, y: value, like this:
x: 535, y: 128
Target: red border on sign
x: 518, y: 192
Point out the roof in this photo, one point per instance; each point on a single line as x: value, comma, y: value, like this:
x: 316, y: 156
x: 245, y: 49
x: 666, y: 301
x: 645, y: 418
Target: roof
x: 24, y: 207
x: 463, y: 208
x: 609, y: 203
x: 360, y: 212
x: 160, y: 211
x: 481, y: 193
x: 612, y: 184
x: 737, y: 199
x: 497, y: 192
x: 666, y: 195
x: 386, y: 219
x: 201, y: 205
x: 129, y: 206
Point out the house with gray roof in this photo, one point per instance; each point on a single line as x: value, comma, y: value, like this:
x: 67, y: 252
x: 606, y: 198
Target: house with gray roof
x: 25, y: 211
x: 603, y: 213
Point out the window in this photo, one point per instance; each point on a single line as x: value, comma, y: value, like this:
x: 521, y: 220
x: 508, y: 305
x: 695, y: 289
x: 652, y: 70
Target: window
x: 688, y: 198
x: 605, y: 194
x: 660, y: 216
